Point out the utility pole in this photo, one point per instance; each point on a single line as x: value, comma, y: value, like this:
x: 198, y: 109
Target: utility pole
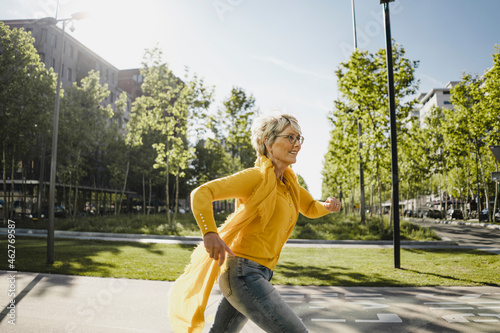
x: 360, y: 133
x: 394, y: 140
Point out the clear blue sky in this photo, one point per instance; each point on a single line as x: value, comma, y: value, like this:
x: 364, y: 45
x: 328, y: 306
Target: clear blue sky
x: 283, y: 52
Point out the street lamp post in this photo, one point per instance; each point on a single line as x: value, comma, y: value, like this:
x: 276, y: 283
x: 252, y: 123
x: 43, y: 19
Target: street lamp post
x: 360, y: 133
x: 55, y: 129
x: 394, y: 140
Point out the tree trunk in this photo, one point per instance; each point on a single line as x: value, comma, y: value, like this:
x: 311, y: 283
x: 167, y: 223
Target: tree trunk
x: 176, y: 209
x: 495, y: 205
x: 379, y: 192
x: 12, y: 176
x: 169, y: 221
x: 150, y: 188
x: 144, y: 194
x: 123, y: 188
x: 485, y: 188
x: 75, y: 204
x: 4, y: 178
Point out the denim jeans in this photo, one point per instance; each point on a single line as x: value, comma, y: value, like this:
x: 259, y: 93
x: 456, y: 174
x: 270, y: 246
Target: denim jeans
x: 248, y: 294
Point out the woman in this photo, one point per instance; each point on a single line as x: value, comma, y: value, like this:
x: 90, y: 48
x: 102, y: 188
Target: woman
x: 245, y: 250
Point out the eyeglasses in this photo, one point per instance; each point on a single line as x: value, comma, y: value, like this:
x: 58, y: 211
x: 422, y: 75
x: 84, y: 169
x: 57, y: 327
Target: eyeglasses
x: 292, y: 138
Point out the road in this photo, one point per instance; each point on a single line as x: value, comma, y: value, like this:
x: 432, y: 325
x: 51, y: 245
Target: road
x: 467, y: 236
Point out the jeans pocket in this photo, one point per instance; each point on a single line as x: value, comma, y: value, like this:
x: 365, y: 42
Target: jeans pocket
x: 248, y: 267
x: 225, y: 282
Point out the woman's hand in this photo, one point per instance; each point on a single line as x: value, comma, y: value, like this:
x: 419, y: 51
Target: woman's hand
x: 332, y: 204
x: 216, y: 247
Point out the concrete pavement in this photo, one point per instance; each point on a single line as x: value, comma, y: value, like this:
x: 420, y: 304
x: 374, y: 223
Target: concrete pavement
x: 58, y: 303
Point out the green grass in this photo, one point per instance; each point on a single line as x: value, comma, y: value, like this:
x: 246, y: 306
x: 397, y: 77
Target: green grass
x: 330, y: 227
x: 301, y: 266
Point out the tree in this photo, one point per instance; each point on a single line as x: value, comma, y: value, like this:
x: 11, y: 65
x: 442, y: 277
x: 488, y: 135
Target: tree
x: 235, y: 121
x: 27, y: 93
x: 165, y: 108
x: 474, y: 125
x: 83, y: 124
x: 364, y: 99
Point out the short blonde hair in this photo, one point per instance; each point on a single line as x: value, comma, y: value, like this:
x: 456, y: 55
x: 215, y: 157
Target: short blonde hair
x: 268, y: 126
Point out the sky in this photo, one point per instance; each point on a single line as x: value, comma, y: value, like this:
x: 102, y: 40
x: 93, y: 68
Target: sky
x: 283, y: 52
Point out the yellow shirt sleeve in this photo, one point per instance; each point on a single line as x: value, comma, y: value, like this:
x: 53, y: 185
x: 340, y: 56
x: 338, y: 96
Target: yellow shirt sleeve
x: 309, y: 207
x: 237, y: 186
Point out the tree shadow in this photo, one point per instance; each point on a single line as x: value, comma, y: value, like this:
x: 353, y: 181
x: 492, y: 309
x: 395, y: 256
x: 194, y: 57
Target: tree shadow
x: 452, y: 252
x: 330, y: 275
x: 94, y: 257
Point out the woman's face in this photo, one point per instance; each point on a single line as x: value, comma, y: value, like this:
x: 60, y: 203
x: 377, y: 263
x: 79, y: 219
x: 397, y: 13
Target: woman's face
x: 282, y: 152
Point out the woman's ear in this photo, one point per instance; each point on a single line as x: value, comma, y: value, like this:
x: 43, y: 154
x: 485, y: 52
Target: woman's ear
x: 266, y: 143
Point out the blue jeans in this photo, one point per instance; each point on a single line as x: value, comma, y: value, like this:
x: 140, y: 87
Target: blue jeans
x: 248, y: 294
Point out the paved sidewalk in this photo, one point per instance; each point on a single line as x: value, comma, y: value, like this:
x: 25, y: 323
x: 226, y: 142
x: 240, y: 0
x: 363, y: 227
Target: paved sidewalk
x: 58, y: 303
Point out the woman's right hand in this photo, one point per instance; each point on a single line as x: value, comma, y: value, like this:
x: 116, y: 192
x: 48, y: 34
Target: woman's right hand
x: 216, y: 247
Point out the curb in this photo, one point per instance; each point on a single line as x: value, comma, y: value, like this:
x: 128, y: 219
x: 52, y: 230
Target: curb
x: 195, y: 239
x: 473, y: 224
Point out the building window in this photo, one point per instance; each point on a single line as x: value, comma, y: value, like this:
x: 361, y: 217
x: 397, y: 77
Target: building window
x: 43, y: 37
x: 70, y: 74
x: 53, y: 42
x: 53, y: 63
x: 42, y: 57
x: 71, y: 51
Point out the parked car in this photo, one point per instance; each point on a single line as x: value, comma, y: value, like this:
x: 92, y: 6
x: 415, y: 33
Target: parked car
x: 455, y: 214
x: 435, y: 214
x: 59, y: 211
x: 483, y: 215
x: 408, y: 212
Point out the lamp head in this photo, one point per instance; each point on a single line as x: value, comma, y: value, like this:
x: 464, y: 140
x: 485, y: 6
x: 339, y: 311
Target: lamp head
x: 80, y: 15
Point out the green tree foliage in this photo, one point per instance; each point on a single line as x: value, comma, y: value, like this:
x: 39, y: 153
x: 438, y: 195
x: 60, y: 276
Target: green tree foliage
x: 83, y: 130
x: 27, y: 93
x: 165, y: 109
x: 233, y: 128
x: 362, y: 82
x: 468, y: 130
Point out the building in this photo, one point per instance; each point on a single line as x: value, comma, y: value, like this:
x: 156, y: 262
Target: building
x: 436, y: 97
x: 78, y: 60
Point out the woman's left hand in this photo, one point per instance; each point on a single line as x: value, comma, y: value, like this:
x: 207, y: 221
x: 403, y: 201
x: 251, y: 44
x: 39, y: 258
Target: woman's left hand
x: 332, y: 204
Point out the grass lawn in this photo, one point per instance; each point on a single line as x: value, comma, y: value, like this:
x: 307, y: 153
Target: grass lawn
x: 330, y: 227
x: 301, y: 266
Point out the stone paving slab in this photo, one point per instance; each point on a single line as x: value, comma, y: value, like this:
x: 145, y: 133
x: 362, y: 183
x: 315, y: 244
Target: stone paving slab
x: 60, y: 303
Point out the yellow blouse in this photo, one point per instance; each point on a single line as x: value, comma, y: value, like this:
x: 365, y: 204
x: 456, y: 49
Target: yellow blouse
x: 266, y: 211
x: 260, y: 245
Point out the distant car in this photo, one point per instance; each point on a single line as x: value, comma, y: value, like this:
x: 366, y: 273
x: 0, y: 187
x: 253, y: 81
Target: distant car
x: 435, y: 214
x: 455, y: 214
x: 483, y: 215
x: 59, y: 211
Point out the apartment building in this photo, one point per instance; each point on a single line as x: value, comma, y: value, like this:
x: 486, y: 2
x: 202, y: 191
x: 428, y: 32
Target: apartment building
x: 78, y: 60
x: 436, y: 97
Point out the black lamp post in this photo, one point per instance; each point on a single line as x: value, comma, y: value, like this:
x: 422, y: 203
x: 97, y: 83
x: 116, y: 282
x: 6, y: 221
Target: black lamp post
x: 360, y: 133
x: 55, y: 129
x: 394, y: 148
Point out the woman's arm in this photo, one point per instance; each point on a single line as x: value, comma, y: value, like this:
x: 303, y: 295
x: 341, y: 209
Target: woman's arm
x: 237, y: 186
x: 312, y: 208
